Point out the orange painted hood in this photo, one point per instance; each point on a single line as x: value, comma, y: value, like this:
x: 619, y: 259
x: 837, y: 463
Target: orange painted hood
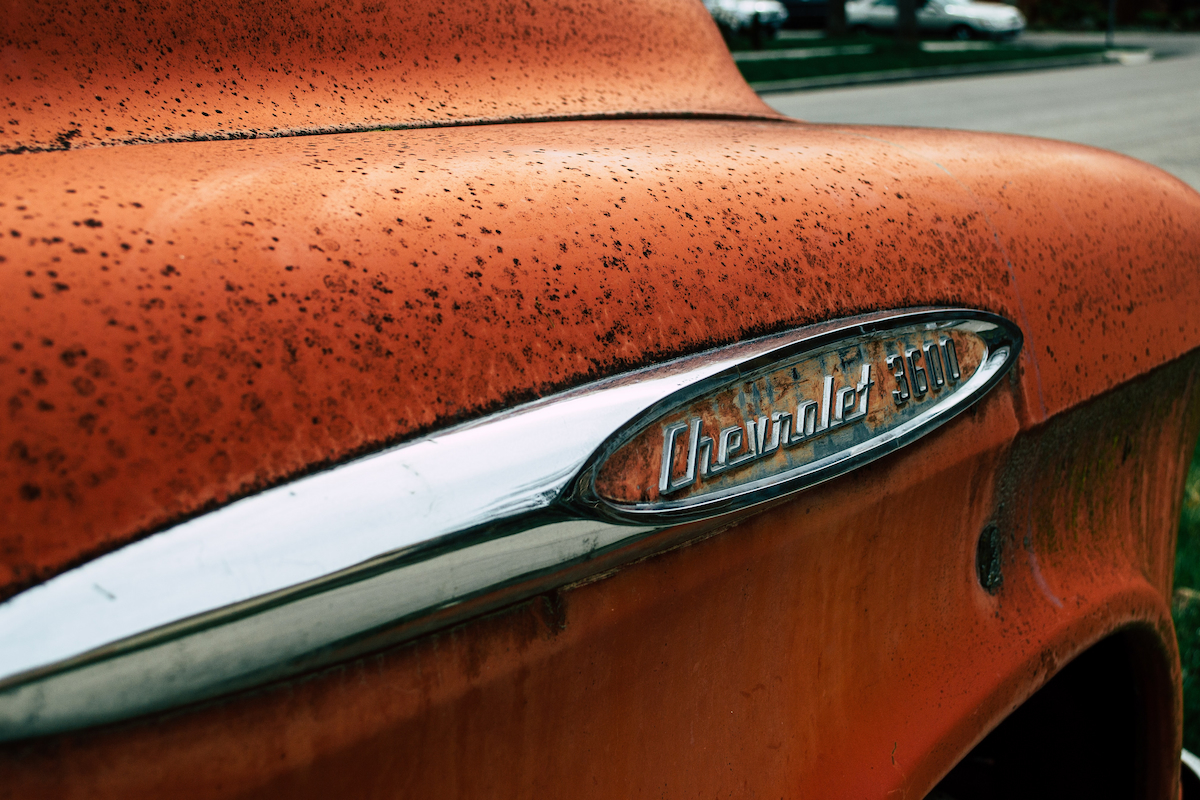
x: 187, y: 323
x: 184, y: 324
x: 94, y: 73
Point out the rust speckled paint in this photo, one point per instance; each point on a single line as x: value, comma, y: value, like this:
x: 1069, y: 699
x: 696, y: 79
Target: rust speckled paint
x: 188, y: 324
x: 94, y: 73
x: 185, y: 323
x: 828, y: 647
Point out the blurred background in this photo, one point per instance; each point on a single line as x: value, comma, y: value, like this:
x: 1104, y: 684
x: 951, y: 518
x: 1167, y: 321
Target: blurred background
x: 1050, y: 68
x: 1186, y: 609
x: 1123, y: 75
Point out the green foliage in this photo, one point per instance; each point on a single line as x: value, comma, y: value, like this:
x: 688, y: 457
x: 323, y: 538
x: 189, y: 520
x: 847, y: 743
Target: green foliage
x: 891, y: 55
x: 1090, y: 15
x: 1186, y: 608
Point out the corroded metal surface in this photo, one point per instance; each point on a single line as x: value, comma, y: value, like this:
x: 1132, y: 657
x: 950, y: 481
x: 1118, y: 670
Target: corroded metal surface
x: 188, y: 324
x: 836, y: 645
x: 295, y: 577
x: 93, y: 73
x: 191, y: 323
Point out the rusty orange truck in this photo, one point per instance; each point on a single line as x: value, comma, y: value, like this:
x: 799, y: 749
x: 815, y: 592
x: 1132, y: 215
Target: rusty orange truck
x: 409, y: 399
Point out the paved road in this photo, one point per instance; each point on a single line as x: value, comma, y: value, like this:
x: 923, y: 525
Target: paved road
x: 1151, y: 112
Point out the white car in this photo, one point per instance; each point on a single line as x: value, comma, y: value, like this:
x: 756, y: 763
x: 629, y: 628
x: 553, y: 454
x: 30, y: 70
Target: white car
x: 960, y: 19
x: 737, y: 16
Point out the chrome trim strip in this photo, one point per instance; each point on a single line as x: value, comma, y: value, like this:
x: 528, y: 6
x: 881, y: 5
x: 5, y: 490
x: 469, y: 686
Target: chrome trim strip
x: 225, y: 652
x: 249, y: 592
x: 1189, y: 763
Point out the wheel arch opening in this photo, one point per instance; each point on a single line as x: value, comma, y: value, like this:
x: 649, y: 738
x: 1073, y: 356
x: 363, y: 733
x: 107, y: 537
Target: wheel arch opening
x: 1103, y: 727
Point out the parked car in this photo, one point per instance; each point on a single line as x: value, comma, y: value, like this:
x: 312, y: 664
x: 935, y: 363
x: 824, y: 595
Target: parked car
x: 806, y: 13
x: 742, y: 16
x: 958, y: 19
x: 436, y: 400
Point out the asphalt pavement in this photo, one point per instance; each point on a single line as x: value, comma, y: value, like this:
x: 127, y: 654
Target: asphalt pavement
x: 1150, y: 112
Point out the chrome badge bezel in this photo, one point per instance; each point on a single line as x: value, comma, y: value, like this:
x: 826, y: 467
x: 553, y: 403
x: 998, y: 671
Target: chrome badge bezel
x: 923, y: 385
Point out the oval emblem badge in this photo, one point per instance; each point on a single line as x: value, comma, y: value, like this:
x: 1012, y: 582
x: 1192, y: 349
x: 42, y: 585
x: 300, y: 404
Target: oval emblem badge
x: 798, y: 415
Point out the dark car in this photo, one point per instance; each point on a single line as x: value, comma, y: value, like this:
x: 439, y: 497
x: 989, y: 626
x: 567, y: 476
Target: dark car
x: 810, y: 14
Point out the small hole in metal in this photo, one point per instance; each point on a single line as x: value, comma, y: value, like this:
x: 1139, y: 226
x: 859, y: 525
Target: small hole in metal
x: 989, y: 554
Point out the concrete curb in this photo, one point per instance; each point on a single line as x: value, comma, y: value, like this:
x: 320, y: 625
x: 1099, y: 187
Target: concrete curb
x: 889, y: 76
